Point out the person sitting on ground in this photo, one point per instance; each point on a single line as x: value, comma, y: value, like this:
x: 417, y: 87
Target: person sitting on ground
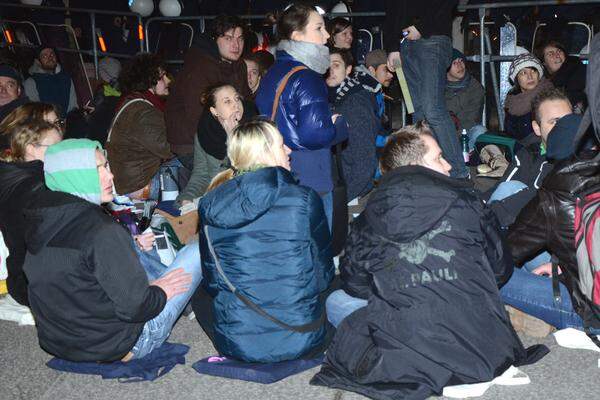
x: 267, y: 236
x: 106, y: 99
x: 526, y: 74
x: 21, y: 178
x: 106, y: 310
x: 137, y: 141
x: 565, y: 72
x: 464, y: 97
x: 257, y: 64
x: 529, y: 167
x: 355, y: 97
x: 49, y: 83
x: 223, y: 111
x: 340, y: 33
x: 212, y: 59
x: 420, y: 307
x: 11, y: 95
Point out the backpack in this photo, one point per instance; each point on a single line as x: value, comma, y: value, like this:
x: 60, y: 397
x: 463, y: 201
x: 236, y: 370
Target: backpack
x: 587, y: 243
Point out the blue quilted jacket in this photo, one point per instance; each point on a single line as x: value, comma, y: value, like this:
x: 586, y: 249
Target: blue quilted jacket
x: 304, y: 119
x: 273, y: 243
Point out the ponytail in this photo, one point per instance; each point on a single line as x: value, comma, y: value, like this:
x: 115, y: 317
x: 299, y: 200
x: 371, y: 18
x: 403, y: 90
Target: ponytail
x: 220, y: 179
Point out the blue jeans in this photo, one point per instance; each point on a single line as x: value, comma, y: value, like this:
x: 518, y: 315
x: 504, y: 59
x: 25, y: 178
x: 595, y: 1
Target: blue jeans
x: 474, y: 133
x: 157, y: 330
x: 339, y: 305
x: 533, y: 295
x: 327, y: 199
x: 506, y: 189
x: 425, y: 62
x: 151, y: 262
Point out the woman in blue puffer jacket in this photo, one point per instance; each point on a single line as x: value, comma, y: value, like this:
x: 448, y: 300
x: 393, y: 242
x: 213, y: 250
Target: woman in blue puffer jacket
x: 269, y: 237
x: 303, y: 115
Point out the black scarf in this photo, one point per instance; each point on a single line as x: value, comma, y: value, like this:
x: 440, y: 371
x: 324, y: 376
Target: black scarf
x: 212, y: 136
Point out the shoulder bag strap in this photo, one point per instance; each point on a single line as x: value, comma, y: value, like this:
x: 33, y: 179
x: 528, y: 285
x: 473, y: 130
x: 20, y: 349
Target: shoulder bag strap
x: 112, y: 124
x: 310, y: 327
x: 280, y: 88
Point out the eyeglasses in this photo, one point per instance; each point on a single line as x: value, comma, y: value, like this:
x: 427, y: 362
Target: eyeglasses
x: 59, y: 123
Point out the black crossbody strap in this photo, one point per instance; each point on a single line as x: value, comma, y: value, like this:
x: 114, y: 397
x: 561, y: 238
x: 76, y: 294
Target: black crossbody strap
x: 310, y: 327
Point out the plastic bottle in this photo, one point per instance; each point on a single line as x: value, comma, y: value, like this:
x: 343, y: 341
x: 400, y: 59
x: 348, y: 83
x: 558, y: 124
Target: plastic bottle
x: 464, y: 140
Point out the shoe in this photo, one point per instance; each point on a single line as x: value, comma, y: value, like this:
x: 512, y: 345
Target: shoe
x: 528, y: 324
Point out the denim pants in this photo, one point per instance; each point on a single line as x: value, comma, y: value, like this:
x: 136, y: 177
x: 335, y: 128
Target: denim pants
x: 339, y: 305
x: 425, y: 62
x: 158, y: 329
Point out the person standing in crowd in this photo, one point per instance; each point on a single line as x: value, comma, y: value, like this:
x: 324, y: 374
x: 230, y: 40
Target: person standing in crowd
x: 107, y: 310
x: 223, y: 110
x: 11, y: 95
x: 257, y: 64
x: 21, y: 179
x: 137, y: 141
x: 214, y: 58
x: 420, y: 307
x: 526, y: 74
x: 340, y: 33
x: 265, y: 235
x: 565, y: 72
x: 302, y: 112
x: 464, y: 97
x: 422, y: 30
x: 49, y: 83
x: 354, y: 95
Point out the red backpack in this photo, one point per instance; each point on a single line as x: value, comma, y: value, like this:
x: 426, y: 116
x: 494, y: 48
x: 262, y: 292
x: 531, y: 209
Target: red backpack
x: 587, y: 243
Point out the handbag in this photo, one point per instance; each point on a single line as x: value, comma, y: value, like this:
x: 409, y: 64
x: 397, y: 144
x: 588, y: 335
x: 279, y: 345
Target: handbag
x: 305, y: 328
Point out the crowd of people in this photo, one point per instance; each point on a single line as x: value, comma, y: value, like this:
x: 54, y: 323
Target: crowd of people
x: 434, y: 272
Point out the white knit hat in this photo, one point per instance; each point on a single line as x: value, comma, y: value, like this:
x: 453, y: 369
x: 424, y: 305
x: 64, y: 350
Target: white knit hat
x: 525, y: 60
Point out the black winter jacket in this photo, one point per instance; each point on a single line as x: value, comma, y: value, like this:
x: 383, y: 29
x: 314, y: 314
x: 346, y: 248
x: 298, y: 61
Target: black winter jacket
x: 571, y: 78
x: 430, y: 17
x: 428, y: 256
x: 20, y: 182
x: 89, y: 294
x: 548, y: 223
x: 530, y: 167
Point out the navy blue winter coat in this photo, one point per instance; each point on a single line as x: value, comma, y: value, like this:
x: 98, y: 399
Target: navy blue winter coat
x: 303, y: 118
x: 273, y: 243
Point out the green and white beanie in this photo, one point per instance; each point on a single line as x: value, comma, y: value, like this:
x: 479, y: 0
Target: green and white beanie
x: 70, y: 167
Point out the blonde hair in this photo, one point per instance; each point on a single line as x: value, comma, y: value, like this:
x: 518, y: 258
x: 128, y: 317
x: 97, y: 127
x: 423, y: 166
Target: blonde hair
x: 24, y: 135
x: 246, y: 148
x: 26, y: 113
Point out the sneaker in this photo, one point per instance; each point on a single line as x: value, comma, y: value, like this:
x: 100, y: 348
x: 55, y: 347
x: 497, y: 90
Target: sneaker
x: 528, y: 324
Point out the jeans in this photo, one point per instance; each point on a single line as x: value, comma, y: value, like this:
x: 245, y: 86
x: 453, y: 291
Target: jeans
x: 474, y: 133
x: 425, y: 62
x: 327, y: 199
x: 506, y: 189
x: 339, y: 305
x: 158, y: 329
x: 151, y: 262
x: 533, y: 295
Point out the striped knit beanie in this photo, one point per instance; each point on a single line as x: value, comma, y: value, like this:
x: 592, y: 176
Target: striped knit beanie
x: 525, y: 60
x: 70, y: 167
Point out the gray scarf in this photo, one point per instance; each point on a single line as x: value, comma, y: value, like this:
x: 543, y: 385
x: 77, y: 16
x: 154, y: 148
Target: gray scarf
x: 314, y: 56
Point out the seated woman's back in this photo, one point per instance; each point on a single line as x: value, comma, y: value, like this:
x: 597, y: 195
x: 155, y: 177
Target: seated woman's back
x: 271, y: 239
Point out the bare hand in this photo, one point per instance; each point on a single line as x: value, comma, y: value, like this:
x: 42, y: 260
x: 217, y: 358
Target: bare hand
x: 145, y: 241
x: 394, y: 60
x: 413, y: 33
x: 545, y: 269
x: 174, y: 283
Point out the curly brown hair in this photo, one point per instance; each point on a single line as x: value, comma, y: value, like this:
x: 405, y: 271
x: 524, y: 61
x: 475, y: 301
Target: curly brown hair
x: 141, y: 73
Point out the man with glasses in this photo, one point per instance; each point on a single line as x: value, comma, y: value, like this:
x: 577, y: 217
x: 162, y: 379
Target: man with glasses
x: 214, y: 58
x: 49, y: 83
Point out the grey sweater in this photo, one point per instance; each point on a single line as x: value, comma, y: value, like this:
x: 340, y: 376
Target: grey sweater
x: 206, y: 167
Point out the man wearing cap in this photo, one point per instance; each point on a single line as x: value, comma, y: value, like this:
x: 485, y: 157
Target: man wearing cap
x: 106, y: 99
x: 417, y: 35
x: 464, y: 94
x: 11, y: 95
x: 49, y: 83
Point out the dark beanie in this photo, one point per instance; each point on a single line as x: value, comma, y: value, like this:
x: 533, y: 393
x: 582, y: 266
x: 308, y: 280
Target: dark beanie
x: 560, y: 139
x: 10, y: 72
x: 457, y: 54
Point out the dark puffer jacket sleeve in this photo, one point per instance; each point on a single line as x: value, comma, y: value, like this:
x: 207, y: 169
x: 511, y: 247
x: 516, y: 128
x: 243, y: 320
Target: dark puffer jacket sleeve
x: 356, y: 280
x: 118, y: 270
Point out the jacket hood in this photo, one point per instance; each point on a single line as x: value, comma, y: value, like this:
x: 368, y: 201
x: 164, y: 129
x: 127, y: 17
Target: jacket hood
x: 410, y: 201
x: 578, y: 174
x: 36, y: 68
x: 13, y: 174
x: 207, y: 45
x: 243, y: 199
x: 51, y: 212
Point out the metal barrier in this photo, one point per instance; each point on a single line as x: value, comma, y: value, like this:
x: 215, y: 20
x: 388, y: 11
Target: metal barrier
x: 483, y: 58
